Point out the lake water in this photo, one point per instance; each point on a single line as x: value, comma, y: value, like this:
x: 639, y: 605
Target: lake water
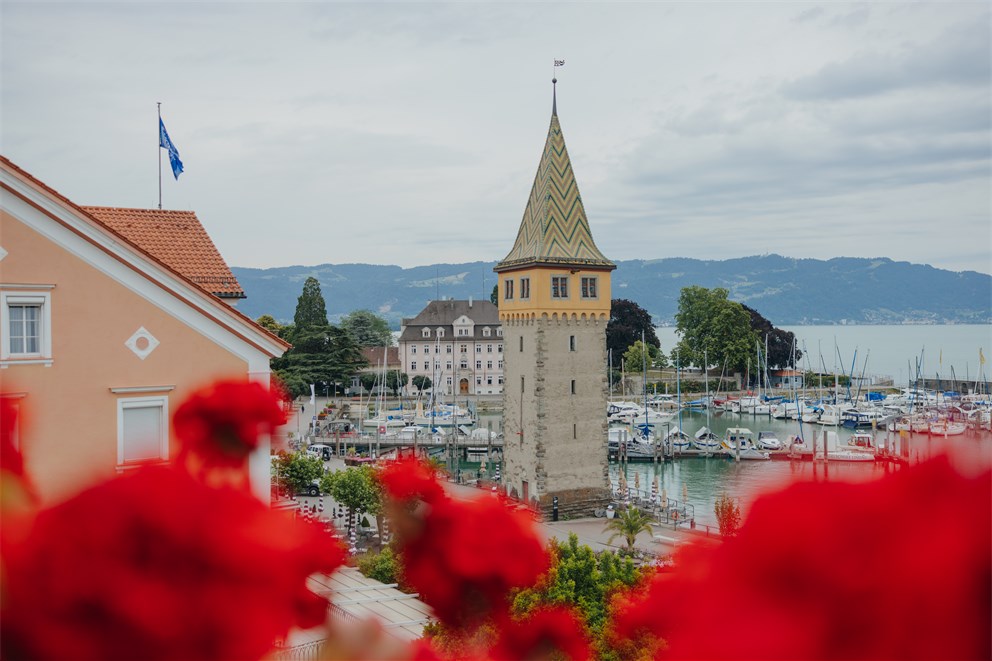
x: 704, y: 479
x: 891, y: 351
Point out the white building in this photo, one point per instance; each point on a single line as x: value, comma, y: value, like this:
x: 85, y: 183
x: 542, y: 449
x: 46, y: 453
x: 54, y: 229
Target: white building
x: 458, y: 345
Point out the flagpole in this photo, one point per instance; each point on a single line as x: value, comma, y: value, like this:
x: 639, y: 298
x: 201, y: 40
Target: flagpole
x: 159, y: 150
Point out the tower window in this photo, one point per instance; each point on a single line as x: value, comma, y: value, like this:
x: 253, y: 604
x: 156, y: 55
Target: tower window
x: 559, y: 286
x: 508, y: 289
x: 521, y: 343
x: 571, y: 343
x: 573, y: 386
x: 521, y: 384
x: 589, y: 287
x: 524, y: 287
x: 575, y: 431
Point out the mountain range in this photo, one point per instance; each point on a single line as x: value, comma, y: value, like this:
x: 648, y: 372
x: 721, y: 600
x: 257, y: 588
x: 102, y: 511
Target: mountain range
x: 787, y: 291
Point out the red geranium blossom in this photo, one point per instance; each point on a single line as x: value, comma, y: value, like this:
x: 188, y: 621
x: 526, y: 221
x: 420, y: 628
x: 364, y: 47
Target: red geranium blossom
x: 221, y: 423
x: 896, y: 568
x: 546, y: 633
x: 156, y: 565
x: 463, y: 557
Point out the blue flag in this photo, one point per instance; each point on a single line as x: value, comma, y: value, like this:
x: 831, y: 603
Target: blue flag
x: 166, y: 143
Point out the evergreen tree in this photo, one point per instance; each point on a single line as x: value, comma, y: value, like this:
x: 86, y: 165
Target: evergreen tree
x: 311, y: 311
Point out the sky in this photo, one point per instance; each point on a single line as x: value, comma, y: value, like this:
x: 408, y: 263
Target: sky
x: 410, y: 133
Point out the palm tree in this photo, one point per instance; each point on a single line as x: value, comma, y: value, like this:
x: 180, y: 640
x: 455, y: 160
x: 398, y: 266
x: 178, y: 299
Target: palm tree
x: 629, y: 523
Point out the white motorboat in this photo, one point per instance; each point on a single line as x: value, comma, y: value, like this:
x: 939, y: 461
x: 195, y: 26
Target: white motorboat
x: 861, y: 441
x: 846, y: 455
x: 767, y: 440
x: 742, y: 438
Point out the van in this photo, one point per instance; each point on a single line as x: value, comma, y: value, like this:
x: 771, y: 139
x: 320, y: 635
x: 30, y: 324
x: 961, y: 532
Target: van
x: 325, y: 452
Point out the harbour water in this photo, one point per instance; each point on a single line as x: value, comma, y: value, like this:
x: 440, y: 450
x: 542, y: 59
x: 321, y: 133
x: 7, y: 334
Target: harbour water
x: 891, y: 351
x: 705, y: 479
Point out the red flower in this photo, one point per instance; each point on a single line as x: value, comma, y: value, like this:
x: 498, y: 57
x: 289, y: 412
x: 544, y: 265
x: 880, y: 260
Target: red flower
x: 463, y: 557
x: 896, y: 568
x: 409, y: 479
x: 547, y: 633
x: 155, y: 565
x: 222, y: 423
x: 10, y: 458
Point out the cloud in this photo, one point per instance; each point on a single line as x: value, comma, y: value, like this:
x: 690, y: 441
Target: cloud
x: 959, y: 57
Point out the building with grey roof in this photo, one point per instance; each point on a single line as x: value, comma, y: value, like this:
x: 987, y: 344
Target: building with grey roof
x: 458, y: 345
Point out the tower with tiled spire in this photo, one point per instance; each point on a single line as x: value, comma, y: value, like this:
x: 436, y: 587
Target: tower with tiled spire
x: 554, y: 304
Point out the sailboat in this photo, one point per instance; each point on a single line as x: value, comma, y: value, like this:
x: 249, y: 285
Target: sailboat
x: 705, y: 440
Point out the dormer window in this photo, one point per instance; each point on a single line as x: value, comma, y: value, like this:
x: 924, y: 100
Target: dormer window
x: 426, y: 332
x: 486, y: 331
x: 499, y: 332
x: 440, y: 332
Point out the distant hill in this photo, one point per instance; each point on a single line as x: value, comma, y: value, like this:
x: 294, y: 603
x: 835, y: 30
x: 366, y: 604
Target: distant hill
x: 786, y: 291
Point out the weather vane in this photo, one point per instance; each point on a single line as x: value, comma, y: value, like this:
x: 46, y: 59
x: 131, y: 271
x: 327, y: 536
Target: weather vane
x: 558, y: 63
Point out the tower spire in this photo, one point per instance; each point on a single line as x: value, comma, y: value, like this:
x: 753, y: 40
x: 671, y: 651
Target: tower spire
x: 554, y: 97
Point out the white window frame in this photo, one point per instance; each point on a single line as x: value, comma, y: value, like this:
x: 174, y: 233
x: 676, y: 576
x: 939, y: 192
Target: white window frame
x: 440, y: 332
x: 158, y: 401
x: 486, y: 332
x: 43, y: 299
x: 426, y: 332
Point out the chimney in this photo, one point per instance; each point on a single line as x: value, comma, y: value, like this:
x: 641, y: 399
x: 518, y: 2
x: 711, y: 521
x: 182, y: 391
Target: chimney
x: 470, y: 301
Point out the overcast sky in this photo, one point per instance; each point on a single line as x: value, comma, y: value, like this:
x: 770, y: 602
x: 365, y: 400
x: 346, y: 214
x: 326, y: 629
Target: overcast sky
x: 409, y: 134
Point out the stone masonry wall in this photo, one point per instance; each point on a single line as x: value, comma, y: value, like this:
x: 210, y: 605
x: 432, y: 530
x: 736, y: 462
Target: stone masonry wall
x: 554, y: 438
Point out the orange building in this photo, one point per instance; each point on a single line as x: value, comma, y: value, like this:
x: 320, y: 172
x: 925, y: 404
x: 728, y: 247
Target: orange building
x: 109, y: 319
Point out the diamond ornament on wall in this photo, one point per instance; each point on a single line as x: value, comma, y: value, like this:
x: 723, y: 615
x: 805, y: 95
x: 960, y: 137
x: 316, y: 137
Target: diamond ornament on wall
x: 142, y: 343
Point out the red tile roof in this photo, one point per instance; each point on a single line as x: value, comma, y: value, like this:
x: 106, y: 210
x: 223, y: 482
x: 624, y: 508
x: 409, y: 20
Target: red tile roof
x: 177, y: 239
x: 374, y: 357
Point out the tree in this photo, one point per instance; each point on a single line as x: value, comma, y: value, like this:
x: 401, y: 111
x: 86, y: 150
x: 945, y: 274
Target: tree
x: 713, y: 330
x: 368, y: 380
x: 269, y: 323
x: 395, y: 380
x: 421, y: 382
x: 634, y: 357
x: 629, y: 523
x: 728, y: 515
x: 584, y: 580
x: 384, y: 566
x: 627, y: 321
x: 780, y: 342
x: 358, y: 489
x: 368, y: 329
x: 311, y: 312
x: 494, y: 296
x: 321, y: 355
x: 296, y: 472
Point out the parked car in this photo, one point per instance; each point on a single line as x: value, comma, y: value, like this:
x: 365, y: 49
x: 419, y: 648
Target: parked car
x: 321, y: 450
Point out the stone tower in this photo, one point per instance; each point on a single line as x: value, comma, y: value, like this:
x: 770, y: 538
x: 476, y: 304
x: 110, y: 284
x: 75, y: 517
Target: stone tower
x: 554, y: 304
